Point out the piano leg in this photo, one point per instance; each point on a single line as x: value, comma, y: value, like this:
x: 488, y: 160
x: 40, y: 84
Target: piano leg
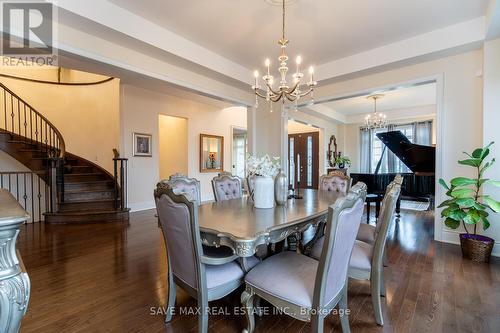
x: 377, y: 208
x: 368, y: 204
x: 398, y: 207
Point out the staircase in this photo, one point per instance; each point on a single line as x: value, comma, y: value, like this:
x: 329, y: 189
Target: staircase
x: 79, y: 191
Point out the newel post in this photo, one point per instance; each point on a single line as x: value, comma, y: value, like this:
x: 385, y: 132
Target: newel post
x: 120, y: 182
x: 14, y: 280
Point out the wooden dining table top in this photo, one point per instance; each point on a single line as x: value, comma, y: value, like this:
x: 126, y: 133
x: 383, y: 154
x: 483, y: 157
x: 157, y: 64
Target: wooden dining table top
x: 237, y: 223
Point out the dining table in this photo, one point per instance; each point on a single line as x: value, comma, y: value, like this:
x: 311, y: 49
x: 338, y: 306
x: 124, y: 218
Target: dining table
x: 237, y: 224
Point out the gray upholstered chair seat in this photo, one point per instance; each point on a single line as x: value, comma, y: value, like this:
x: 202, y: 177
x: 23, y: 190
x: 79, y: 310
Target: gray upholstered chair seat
x: 219, y: 275
x: 366, y: 233
x: 287, y: 275
x: 361, y: 257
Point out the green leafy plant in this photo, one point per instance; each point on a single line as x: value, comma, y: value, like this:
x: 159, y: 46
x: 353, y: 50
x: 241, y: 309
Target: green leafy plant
x: 343, y: 160
x: 467, y: 205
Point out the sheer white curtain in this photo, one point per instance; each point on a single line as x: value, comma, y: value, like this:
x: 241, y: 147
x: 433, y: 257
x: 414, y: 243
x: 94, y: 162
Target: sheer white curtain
x: 372, y: 147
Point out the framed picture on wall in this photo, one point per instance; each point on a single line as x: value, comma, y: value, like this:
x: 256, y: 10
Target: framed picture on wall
x: 142, y: 144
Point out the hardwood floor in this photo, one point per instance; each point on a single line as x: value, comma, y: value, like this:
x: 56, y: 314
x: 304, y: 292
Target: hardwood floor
x: 108, y: 277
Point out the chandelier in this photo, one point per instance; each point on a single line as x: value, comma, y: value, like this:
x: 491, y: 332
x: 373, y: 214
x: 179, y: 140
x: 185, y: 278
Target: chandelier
x: 377, y: 119
x: 283, y: 91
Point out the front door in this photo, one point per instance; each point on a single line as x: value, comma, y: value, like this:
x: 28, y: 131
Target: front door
x: 303, y: 162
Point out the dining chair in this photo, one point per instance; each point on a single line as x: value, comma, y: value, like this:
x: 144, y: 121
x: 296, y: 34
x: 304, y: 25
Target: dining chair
x: 367, y: 260
x: 200, y: 275
x: 367, y: 232
x: 304, y: 288
x: 191, y: 188
x: 251, y: 184
x: 335, y: 181
x: 226, y: 187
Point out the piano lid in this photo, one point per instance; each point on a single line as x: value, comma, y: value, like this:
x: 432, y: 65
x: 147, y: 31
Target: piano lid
x: 419, y: 159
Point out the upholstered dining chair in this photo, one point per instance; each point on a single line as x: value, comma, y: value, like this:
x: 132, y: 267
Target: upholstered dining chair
x: 201, y: 276
x: 226, y: 187
x: 306, y: 288
x: 191, y: 188
x: 334, y: 181
x: 367, y: 260
x: 367, y: 232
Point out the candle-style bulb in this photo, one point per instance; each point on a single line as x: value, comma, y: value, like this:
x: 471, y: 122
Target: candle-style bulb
x: 311, y: 70
x: 256, y: 74
x: 267, y: 62
x: 298, y: 60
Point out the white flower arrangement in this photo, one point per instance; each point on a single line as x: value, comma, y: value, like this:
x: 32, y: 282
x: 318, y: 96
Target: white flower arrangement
x: 264, y: 166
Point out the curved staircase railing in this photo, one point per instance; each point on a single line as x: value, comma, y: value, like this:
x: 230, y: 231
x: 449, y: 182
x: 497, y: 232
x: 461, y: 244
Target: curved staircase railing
x: 29, y: 127
x: 21, y: 119
x: 76, y: 190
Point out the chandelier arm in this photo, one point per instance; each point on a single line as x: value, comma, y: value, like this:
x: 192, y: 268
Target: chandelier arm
x: 259, y: 94
x: 307, y: 92
x: 294, y: 88
x: 272, y: 90
x: 277, y: 97
x: 291, y: 98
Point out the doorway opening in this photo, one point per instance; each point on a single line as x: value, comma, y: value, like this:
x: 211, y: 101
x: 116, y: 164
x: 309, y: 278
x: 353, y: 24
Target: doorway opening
x: 239, y: 152
x: 173, y: 145
x: 303, y: 155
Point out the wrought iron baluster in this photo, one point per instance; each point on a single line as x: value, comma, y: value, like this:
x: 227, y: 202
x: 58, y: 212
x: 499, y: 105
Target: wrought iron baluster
x: 32, y: 199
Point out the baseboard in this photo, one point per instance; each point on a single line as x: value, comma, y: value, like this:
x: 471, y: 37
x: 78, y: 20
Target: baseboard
x: 450, y: 236
x: 139, y: 206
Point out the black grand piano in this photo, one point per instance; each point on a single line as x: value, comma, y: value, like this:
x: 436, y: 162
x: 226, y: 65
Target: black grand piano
x: 419, y: 185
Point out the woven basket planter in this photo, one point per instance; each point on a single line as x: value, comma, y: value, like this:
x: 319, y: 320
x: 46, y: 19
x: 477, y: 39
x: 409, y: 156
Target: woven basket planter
x: 476, y: 247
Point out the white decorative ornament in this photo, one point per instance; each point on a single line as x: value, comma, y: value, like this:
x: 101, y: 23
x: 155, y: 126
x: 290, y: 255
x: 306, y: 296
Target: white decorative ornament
x: 263, y: 196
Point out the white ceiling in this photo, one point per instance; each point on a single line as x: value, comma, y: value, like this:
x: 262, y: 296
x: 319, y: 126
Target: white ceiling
x: 403, y: 98
x: 321, y: 30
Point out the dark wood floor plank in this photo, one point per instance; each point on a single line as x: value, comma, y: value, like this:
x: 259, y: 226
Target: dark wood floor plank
x: 107, y: 277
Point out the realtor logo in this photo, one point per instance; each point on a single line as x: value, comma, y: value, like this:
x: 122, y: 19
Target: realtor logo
x: 28, y: 32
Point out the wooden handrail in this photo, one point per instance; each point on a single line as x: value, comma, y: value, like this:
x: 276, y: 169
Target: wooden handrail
x: 58, y: 83
x: 62, y: 145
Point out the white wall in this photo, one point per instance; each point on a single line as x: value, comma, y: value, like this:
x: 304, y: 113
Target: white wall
x: 491, y: 132
x: 139, y: 113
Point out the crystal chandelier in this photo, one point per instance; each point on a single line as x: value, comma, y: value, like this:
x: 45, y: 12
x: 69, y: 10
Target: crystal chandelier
x: 283, y: 91
x: 377, y: 119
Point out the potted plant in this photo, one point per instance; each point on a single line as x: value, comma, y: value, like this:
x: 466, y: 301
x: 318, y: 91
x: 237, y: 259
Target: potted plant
x: 264, y: 169
x: 467, y: 206
x: 343, y: 162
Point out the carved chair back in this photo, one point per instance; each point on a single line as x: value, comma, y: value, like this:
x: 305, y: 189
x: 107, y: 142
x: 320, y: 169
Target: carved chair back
x: 335, y: 181
x: 387, y: 214
x: 181, y: 184
x: 344, y: 218
x: 226, y: 187
x: 178, y: 218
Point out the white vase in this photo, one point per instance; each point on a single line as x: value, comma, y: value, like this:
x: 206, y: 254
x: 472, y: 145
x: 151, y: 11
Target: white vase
x: 263, y: 196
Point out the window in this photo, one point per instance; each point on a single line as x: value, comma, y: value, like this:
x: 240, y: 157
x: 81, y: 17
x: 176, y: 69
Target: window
x: 372, y: 148
x: 309, y: 160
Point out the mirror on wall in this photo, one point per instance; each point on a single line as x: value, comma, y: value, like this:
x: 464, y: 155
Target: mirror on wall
x: 211, y: 153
